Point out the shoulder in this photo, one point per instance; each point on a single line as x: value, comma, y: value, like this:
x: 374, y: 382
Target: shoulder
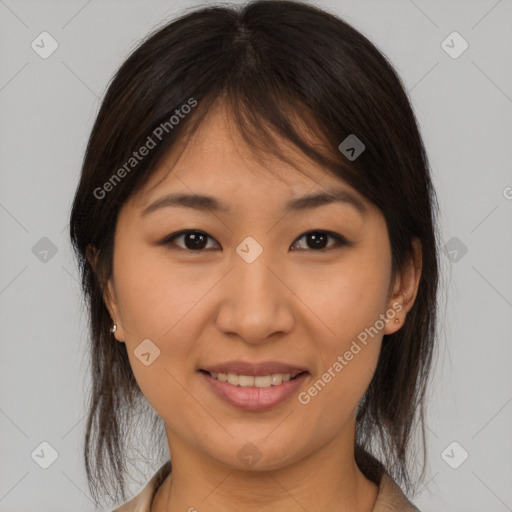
x: 391, y: 498
x: 142, y: 501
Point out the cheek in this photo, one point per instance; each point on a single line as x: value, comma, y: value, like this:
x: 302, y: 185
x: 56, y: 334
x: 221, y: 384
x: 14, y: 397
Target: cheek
x: 154, y: 298
x: 155, y: 295
x: 347, y: 297
x: 347, y: 345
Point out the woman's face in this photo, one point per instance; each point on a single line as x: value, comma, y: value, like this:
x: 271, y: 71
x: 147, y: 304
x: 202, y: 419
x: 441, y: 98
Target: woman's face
x: 255, y: 288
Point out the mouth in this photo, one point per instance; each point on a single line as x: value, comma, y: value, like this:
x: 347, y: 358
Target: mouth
x: 257, y: 381
x: 251, y: 387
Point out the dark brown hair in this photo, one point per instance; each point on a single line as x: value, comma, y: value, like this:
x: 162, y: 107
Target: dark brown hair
x: 271, y: 63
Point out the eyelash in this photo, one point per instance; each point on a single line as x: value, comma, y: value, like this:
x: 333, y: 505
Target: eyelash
x: 340, y: 240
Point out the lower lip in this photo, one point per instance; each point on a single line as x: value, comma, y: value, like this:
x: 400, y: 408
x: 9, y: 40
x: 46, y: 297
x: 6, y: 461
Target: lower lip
x: 253, y: 398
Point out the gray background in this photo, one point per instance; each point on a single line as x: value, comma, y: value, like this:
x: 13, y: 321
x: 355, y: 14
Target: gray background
x: 464, y: 107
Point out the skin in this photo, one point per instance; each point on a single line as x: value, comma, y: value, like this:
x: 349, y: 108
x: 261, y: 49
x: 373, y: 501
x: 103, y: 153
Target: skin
x: 302, y: 306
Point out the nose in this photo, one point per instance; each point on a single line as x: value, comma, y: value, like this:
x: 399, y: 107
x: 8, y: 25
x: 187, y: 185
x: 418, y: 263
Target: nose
x: 256, y: 302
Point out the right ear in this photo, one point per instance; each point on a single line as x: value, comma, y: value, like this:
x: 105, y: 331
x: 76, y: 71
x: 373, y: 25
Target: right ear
x: 109, y: 296
x: 92, y: 256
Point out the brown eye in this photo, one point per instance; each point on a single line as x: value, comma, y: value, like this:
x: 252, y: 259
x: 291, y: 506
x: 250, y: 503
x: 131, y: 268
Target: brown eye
x: 197, y: 241
x: 192, y: 240
x: 317, y: 240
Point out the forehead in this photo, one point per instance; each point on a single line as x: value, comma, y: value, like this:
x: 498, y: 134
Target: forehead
x: 218, y: 158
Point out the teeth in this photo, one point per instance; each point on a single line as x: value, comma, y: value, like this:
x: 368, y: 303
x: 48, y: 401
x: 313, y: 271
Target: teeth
x: 248, y: 381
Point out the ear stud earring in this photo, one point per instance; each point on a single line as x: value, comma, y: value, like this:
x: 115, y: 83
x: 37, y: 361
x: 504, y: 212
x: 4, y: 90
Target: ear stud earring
x: 113, y: 328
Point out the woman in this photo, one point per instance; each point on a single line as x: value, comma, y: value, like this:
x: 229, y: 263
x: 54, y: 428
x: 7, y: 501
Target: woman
x: 255, y: 227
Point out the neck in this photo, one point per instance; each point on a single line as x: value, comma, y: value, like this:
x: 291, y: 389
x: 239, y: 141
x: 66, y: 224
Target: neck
x: 327, y: 479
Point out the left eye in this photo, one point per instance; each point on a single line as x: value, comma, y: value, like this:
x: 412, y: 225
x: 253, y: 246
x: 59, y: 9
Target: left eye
x: 196, y: 241
x: 318, y: 239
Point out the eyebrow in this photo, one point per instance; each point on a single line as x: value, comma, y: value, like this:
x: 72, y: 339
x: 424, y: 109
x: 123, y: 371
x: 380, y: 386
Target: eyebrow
x: 209, y: 203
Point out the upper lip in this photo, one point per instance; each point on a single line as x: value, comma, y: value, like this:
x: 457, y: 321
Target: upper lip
x: 254, y: 369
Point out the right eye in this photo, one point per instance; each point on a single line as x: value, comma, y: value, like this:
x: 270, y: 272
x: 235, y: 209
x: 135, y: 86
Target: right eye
x: 193, y: 240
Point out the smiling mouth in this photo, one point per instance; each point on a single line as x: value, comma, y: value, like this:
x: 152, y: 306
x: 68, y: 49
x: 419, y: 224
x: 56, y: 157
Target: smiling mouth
x: 250, y: 381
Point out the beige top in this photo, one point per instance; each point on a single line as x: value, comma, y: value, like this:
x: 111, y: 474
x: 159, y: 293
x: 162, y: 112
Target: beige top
x: 390, y: 497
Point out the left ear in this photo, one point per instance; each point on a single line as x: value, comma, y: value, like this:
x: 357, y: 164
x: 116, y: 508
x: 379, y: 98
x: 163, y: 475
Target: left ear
x: 405, y: 288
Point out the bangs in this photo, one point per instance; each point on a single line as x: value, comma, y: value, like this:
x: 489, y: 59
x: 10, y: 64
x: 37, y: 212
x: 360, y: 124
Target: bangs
x: 271, y: 122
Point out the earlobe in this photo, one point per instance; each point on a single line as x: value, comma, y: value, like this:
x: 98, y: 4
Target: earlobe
x: 109, y: 298
x: 395, y: 313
